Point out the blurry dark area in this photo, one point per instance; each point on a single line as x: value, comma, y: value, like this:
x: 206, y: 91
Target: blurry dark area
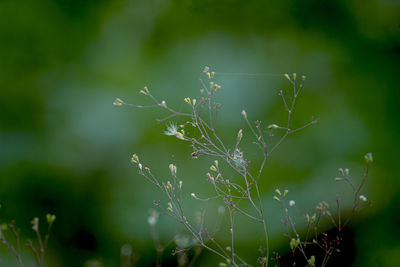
x: 65, y: 149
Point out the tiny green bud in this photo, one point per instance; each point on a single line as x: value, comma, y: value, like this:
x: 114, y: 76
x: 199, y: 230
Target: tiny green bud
x: 222, y: 264
x: 312, y: 260
x: 294, y: 76
x: 216, y: 163
x: 303, y: 77
x: 287, y: 76
x: 307, y: 217
x: 285, y: 192
x: 194, y: 102
x: 293, y: 243
x: 276, y: 198
x: 179, y: 135
x: 313, y: 218
x: 187, y: 100
x: 170, y: 207
x: 278, y: 192
x: 213, y: 168
x: 50, y: 218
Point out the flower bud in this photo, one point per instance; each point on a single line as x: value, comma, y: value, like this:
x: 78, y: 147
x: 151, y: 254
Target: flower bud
x: 118, y: 102
x: 240, y: 135
x: 368, y: 158
x: 50, y: 218
x: 170, y: 207
x: 272, y: 126
x: 244, y: 114
x: 135, y: 158
x: 172, y: 168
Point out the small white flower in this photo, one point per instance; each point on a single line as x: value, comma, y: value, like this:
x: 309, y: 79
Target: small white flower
x: 292, y: 203
x: 153, y: 218
x: 363, y: 198
x: 172, y: 129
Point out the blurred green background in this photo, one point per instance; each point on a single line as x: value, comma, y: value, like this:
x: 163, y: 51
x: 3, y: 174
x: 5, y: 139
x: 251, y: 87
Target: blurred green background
x: 65, y: 149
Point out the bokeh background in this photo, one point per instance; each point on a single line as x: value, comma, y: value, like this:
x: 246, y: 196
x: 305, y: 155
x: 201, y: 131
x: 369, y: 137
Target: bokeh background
x: 65, y: 149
